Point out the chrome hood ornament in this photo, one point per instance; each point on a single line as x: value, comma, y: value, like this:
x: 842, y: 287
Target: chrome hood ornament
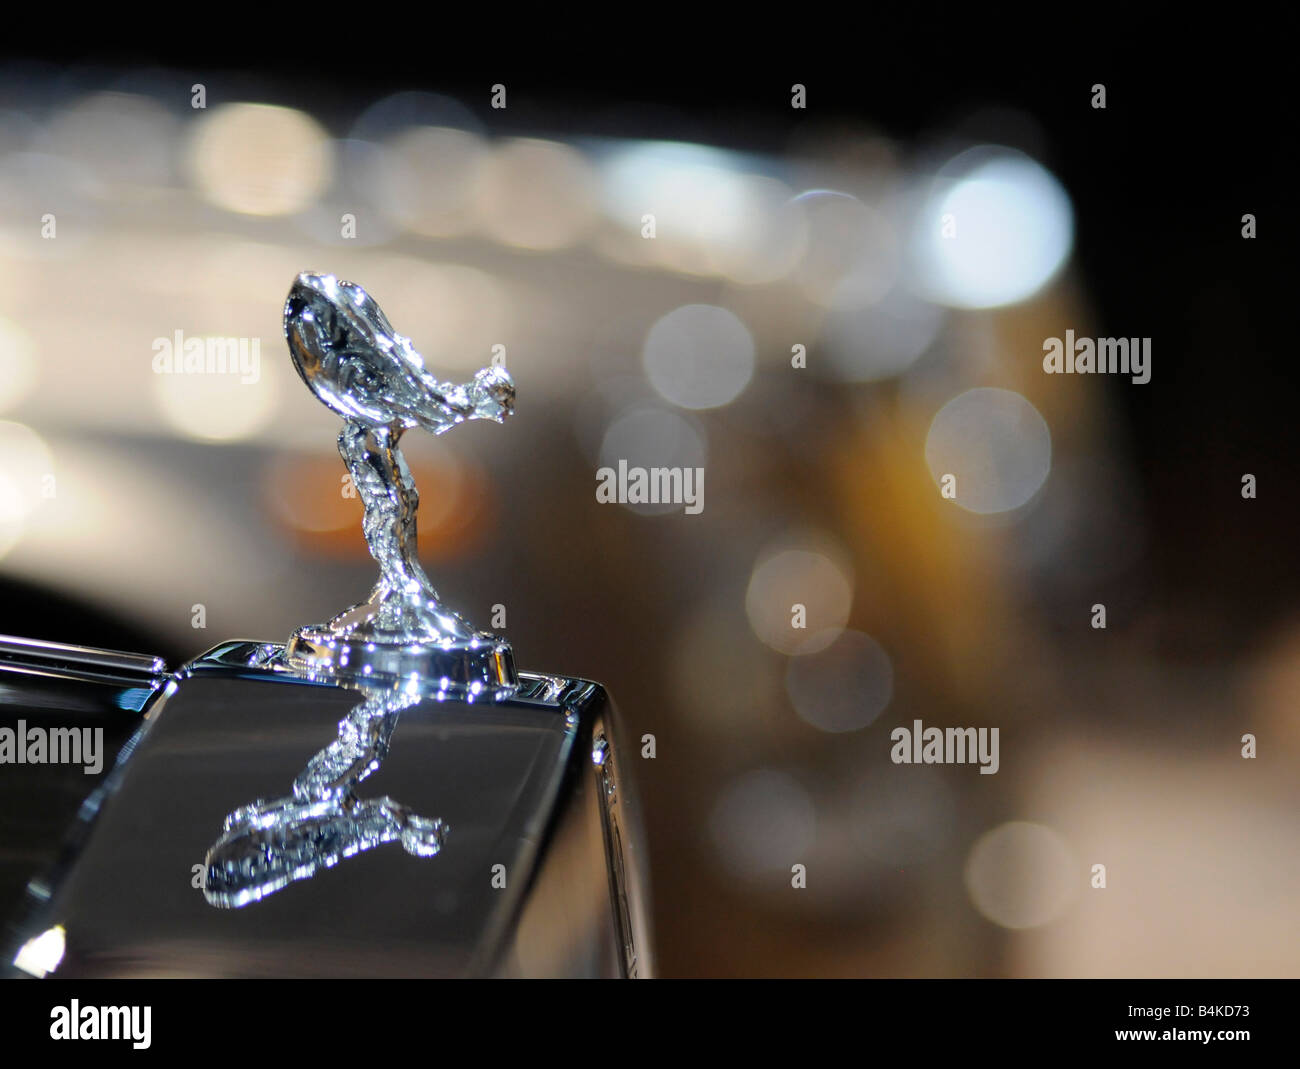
x: 355, y: 363
x: 391, y: 756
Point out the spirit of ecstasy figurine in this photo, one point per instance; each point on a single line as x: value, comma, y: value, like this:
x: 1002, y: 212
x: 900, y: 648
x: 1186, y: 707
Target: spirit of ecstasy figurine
x: 358, y: 366
x: 542, y: 870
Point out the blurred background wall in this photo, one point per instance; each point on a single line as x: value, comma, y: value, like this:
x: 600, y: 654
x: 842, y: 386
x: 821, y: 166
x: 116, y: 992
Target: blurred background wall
x: 912, y: 235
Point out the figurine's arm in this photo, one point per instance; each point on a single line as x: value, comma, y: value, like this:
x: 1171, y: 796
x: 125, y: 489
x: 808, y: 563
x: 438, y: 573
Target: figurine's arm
x: 490, y: 395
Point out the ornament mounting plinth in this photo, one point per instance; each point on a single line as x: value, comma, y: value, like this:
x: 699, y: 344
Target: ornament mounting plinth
x: 481, y: 669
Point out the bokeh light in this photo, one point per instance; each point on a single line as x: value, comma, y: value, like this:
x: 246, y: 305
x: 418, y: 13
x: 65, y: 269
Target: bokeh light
x: 846, y: 239
x: 216, y: 407
x: 798, y: 599
x: 256, y: 159
x: 26, y: 468
x: 535, y: 194
x: 18, y: 372
x: 423, y: 180
x: 1022, y: 875
x: 771, y: 246
x: 843, y: 685
x: 873, y: 337
x: 25, y: 464
x: 648, y: 436
x: 699, y: 356
x: 996, y: 445
x: 996, y: 229
x: 693, y: 191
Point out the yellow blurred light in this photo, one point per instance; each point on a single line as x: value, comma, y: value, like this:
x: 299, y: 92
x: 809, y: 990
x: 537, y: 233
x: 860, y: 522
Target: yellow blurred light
x: 426, y: 181
x: 17, y: 365
x: 12, y: 516
x: 710, y: 218
x: 27, y: 469
x: 692, y: 190
x: 101, y: 485
x: 217, y: 406
x: 314, y: 500
x: 1022, y: 875
x: 27, y: 481
x: 257, y: 159
x: 798, y: 600
x: 535, y: 194
x: 774, y: 240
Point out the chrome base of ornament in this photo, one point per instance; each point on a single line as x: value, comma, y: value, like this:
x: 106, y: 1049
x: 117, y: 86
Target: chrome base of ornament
x: 480, y: 669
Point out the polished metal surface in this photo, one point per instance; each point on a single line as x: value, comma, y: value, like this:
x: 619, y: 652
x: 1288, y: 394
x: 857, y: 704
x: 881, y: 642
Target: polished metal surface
x: 34, y: 653
x: 541, y: 874
x: 264, y: 846
x: 355, y: 363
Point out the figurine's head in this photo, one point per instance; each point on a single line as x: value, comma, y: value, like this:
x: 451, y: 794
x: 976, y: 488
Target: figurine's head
x: 492, y: 394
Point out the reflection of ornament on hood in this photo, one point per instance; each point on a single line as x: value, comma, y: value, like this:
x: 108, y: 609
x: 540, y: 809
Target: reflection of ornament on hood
x: 265, y: 846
